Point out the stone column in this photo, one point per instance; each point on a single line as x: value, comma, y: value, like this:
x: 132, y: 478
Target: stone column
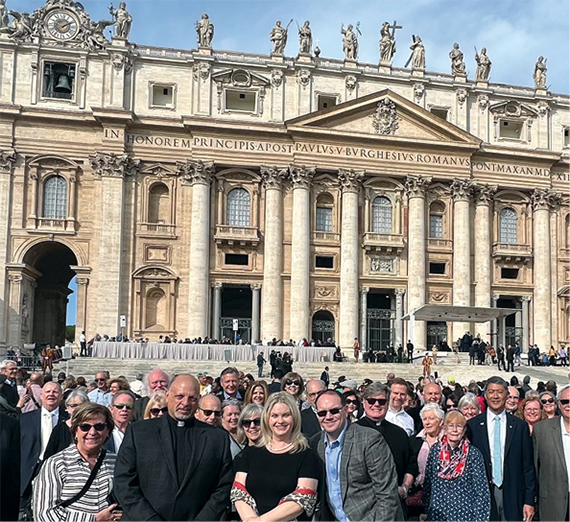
x: 495, y: 334
x: 198, y: 175
x: 399, y: 326
x: 113, y: 169
x: 364, y: 317
x: 482, y: 262
x: 555, y: 202
x: 301, y: 178
x: 416, y: 187
x: 81, y: 320
x: 349, y: 257
x: 525, y: 322
x: 272, y: 298
x: 541, y: 199
x: 255, y: 301
x: 461, y: 191
x: 217, y: 310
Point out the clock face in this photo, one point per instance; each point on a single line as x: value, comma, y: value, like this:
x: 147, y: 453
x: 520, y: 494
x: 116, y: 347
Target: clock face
x: 61, y: 25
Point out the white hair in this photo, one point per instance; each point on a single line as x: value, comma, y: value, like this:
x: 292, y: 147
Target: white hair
x: 432, y: 406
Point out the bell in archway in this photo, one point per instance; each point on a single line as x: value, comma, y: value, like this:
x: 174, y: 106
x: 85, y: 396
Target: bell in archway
x: 63, y: 84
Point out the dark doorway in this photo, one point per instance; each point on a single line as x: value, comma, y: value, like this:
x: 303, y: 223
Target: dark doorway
x: 380, y: 319
x: 236, y: 304
x: 436, y: 332
x: 513, y: 333
x: 323, y: 327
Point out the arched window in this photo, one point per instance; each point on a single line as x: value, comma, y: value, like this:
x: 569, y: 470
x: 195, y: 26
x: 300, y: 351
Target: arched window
x: 238, y: 209
x: 436, y: 212
x: 155, y: 309
x: 567, y: 230
x: 158, y: 204
x: 324, y: 217
x: 508, y: 226
x: 382, y: 215
x: 55, y: 198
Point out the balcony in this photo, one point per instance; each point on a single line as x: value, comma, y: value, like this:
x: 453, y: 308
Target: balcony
x: 383, y: 243
x: 440, y: 245
x: 156, y: 230
x: 52, y: 225
x: 326, y: 238
x: 231, y: 235
x: 512, y: 252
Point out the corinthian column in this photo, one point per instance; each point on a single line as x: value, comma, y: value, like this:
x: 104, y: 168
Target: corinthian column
x: 349, y: 256
x: 542, y: 291
x: 415, y: 189
x: 112, y: 169
x: 461, y: 191
x: 198, y: 175
x: 301, y: 178
x: 272, y: 297
x: 482, y: 263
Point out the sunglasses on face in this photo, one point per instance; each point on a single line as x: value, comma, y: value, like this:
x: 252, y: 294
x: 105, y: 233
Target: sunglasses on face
x: 564, y: 401
x: 101, y: 380
x: 352, y: 401
x: 248, y: 423
x: 100, y: 426
x: 207, y: 413
x: 292, y: 383
x: 380, y: 402
x: 547, y: 401
x: 156, y: 411
x: 121, y: 406
x: 332, y: 411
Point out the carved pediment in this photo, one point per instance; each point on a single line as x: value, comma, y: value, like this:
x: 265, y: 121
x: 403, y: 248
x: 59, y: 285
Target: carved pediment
x: 240, y: 78
x: 158, y: 169
x: 513, y: 109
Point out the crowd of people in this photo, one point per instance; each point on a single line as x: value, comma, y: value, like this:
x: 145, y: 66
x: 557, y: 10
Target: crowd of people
x: 235, y: 447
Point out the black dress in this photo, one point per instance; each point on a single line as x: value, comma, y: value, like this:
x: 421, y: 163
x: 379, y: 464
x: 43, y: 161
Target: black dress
x: 271, y: 476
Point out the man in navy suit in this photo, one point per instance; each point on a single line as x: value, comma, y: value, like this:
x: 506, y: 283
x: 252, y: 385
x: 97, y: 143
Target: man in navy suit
x: 506, y: 445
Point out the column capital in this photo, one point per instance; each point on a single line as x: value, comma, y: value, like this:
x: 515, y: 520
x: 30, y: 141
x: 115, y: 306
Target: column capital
x: 195, y: 172
x: 82, y: 281
x: 364, y: 289
x: 255, y: 287
x: 216, y: 285
x: 350, y: 179
x: 273, y: 177
x: 7, y: 161
x: 301, y: 176
x: 525, y: 298
x: 400, y: 292
x: 495, y: 298
x: 461, y: 189
x: 111, y: 165
x: 484, y: 194
x: 545, y: 199
x: 416, y: 186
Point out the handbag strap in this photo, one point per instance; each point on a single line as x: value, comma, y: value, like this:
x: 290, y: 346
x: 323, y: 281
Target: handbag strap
x: 87, y: 485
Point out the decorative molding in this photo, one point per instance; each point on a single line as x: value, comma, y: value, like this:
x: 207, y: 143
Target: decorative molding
x: 303, y: 77
x: 350, y: 180
x: 461, y: 189
x: 385, y: 118
x: 201, y: 71
x: 350, y: 83
x: 273, y: 177
x: 276, y: 78
x: 439, y: 297
x: 301, y: 176
x: 114, y: 165
x: 326, y: 292
x: 196, y: 172
x: 484, y: 194
x: 419, y: 90
x: 7, y: 161
x: 461, y: 95
x: 416, y: 186
x: 483, y: 101
x: 541, y: 199
x: 380, y: 265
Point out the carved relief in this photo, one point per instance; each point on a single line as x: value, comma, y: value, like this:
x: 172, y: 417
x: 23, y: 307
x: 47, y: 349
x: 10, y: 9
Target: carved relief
x: 301, y: 176
x: 419, y: 90
x: 380, y: 265
x: 326, y: 292
x: 201, y: 70
x: 193, y: 171
x: 484, y: 193
x: 273, y: 177
x: 350, y: 83
x: 350, y: 179
x: 416, y: 186
x: 303, y: 77
x: 461, y: 189
x: 157, y: 254
x: 276, y: 78
x: 541, y: 198
x: 114, y: 165
x: 543, y: 109
x: 439, y: 297
x: 385, y: 119
x: 7, y: 161
x: 461, y: 96
x: 483, y: 101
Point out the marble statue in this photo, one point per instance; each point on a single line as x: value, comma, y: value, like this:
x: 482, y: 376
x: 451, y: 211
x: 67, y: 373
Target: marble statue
x: 457, y: 63
x: 387, y: 43
x: 4, y: 19
x: 21, y: 27
x: 123, y: 20
x: 305, y: 39
x: 278, y: 37
x: 418, y: 53
x: 349, y: 42
x: 483, y: 65
x: 540, y: 73
x: 205, y: 31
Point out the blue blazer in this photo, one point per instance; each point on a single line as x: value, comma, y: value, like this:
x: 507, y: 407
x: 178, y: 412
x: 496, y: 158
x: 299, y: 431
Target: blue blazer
x: 519, y: 482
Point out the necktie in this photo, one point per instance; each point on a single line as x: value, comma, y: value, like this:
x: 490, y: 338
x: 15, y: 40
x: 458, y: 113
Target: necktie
x: 497, y: 449
x: 47, y: 428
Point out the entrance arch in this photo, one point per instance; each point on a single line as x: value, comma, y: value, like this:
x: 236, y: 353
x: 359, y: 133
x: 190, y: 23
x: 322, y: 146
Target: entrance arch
x: 51, y: 264
x: 323, y: 326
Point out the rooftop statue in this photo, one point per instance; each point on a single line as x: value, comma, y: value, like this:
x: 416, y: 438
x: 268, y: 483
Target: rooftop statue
x: 123, y: 20
x: 388, y: 41
x: 4, y: 19
x: 418, y: 57
x: 483, y: 65
x: 305, y: 39
x: 278, y: 37
x: 457, y: 63
x: 205, y: 31
x: 349, y: 42
x: 540, y: 73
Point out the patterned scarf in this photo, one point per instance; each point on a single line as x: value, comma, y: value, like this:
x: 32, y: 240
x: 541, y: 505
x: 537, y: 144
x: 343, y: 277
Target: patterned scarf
x: 452, y: 461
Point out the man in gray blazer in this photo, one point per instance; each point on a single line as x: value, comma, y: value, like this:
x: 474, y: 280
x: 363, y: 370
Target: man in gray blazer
x: 551, y: 439
x: 359, y: 473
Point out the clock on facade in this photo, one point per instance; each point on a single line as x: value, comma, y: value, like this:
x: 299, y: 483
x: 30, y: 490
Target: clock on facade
x: 61, y: 25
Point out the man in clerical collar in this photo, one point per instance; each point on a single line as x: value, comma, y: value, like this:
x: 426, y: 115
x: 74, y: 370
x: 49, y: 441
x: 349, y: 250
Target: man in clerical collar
x: 229, y: 381
x: 367, y: 488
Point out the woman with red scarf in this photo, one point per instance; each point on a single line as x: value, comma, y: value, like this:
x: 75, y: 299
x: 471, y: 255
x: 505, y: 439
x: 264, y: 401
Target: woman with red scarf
x: 455, y: 484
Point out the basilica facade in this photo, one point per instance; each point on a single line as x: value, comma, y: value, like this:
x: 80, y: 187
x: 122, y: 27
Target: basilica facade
x: 301, y: 197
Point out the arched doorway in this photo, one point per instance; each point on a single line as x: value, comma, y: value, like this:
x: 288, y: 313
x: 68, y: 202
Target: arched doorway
x: 51, y: 262
x: 323, y: 327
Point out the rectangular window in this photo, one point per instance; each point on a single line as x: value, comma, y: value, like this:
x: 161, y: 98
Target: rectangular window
x: 509, y: 273
x: 162, y: 96
x: 325, y: 102
x: 440, y: 113
x: 244, y: 101
x: 237, y: 259
x: 324, y: 219
x: 59, y: 80
x: 510, y: 129
x: 437, y: 268
x: 436, y: 226
x: 566, y: 138
x: 324, y: 262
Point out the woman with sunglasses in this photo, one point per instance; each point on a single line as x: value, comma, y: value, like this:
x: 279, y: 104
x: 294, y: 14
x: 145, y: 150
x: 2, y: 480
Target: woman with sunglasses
x: 249, y: 424
x: 548, y: 402
x: 156, y: 407
x: 231, y: 411
x: 60, y: 437
x: 293, y: 384
x: 63, y: 476
x: 353, y: 407
x: 531, y: 411
x: 122, y: 410
x: 282, y: 448
x: 257, y: 393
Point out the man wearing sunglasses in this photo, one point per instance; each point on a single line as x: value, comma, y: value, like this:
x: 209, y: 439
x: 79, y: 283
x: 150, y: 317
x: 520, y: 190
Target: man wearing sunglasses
x: 209, y: 410
x: 309, y: 424
x: 366, y: 489
x: 122, y: 410
x: 101, y: 394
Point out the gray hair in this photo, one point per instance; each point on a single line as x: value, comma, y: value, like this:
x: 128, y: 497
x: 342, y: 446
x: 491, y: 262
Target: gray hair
x: 231, y: 402
x: 249, y: 411
x: 432, y: 406
x: 561, y: 391
x: 7, y: 362
x: 375, y: 388
x: 469, y: 399
x: 229, y: 370
x: 77, y: 393
x: 123, y: 392
x: 147, y: 384
x: 533, y: 393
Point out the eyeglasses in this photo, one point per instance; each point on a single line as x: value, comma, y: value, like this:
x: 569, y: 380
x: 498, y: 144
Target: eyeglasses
x: 381, y: 402
x: 288, y: 382
x: 207, y: 413
x: 332, y: 411
x: 101, y: 380
x: 156, y: 411
x: 455, y: 426
x: 351, y: 401
x: 121, y: 406
x: 248, y: 423
x: 547, y: 401
x: 564, y: 401
x: 100, y: 426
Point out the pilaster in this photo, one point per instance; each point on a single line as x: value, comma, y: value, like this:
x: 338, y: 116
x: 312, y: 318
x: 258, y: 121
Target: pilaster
x: 364, y: 318
x: 217, y: 310
x: 255, y: 302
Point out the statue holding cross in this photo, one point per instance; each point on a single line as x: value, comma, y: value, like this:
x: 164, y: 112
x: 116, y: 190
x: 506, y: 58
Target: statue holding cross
x: 388, y: 41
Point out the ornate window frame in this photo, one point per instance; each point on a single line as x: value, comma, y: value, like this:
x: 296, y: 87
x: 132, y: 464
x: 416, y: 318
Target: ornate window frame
x: 164, y: 85
x: 152, y: 174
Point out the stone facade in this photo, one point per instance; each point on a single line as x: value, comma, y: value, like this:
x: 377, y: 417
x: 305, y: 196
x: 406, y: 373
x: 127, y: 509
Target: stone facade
x: 305, y: 197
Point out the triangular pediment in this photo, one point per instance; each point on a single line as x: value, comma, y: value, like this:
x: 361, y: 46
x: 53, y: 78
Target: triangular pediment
x: 383, y: 115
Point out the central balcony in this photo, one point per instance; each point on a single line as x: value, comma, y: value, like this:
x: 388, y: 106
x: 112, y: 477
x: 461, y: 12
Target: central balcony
x: 232, y: 235
x: 512, y: 252
x: 383, y: 243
